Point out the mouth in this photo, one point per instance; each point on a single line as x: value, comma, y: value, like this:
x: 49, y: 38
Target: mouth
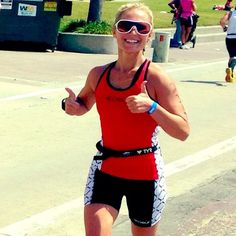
x: 131, y: 41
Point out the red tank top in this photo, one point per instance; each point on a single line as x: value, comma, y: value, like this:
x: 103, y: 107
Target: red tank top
x: 123, y: 130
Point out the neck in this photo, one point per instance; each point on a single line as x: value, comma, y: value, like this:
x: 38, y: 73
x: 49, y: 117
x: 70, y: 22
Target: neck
x: 128, y: 62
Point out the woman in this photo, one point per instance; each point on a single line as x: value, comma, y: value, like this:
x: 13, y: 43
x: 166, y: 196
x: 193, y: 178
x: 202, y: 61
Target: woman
x: 133, y: 98
x: 228, y: 23
x: 175, y: 6
x: 187, y: 8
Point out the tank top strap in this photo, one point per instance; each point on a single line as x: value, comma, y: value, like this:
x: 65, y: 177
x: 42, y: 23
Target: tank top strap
x: 143, y: 74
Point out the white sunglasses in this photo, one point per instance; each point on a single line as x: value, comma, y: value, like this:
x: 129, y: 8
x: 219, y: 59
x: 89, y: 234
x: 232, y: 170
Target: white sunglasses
x: 124, y: 26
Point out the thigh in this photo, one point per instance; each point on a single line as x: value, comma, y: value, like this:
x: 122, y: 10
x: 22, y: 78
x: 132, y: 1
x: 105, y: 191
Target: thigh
x: 146, y: 201
x: 231, y: 47
x: 104, y: 189
x: 182, y: 21
x: 189, y: 22
x: 103, y: 196
x: 178, y: 24
x: 98, y: 219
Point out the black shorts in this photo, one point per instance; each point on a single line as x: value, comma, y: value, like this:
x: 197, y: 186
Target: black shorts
x: 145, y: 198
x: 231, y: 46
x: 187, y: 22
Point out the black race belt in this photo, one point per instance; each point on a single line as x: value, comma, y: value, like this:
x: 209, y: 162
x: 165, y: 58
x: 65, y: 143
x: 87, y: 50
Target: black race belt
x: 106, y: 152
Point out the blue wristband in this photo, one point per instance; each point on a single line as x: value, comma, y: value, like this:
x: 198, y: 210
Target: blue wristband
x: 152, y: 108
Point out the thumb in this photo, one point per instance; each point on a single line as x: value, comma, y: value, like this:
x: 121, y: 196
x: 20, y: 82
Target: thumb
x: 72, y: 95
x: 143, y: 87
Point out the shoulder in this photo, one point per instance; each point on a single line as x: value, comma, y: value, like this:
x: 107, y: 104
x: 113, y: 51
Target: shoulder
x: 98, y: 70
x: 157, y: 74
x: 158, y: 82
x: 95, y: 74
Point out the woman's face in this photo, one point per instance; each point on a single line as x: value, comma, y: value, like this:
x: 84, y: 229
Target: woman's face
x: 132, y: 41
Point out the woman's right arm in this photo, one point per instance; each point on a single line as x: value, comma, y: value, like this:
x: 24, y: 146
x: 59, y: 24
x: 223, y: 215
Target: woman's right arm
x: 81, y: 104
x: 194, y: 6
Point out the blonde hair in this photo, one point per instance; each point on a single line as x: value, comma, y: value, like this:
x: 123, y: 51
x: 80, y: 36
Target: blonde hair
x: 130, y: 6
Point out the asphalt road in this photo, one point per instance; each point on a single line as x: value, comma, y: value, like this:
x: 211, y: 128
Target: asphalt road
x: 45, y: 154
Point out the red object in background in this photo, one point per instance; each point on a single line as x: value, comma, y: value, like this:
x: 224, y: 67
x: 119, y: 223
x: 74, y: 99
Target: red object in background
x: 161, y: 38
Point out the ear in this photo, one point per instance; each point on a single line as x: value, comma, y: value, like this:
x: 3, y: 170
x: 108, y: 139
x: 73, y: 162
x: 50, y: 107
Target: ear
x: 151, y: 35
x: 114, y: 31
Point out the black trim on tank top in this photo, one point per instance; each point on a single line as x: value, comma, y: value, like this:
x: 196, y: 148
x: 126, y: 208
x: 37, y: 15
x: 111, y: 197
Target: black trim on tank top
x: 145, y: 78
x: 107, y: 68
x: 134, y: 80
x: 145, y: 75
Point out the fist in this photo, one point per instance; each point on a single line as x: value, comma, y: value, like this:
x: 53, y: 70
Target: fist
x: 71, y: 106
x: 139, y: 103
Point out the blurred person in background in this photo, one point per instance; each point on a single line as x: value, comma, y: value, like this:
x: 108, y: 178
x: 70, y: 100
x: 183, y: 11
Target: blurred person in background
x: 188, y: 9
x: 175, y: 6
x: 228, y: 24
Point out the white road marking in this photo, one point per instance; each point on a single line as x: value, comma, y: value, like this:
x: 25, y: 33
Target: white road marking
x: 28, y: 95
x: 53, y: 90
x: 37, y: 93
x: 195, y: 66
x: 43, y: 219
x: 201, y: 156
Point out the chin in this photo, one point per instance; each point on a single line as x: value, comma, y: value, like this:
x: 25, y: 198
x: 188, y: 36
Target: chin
x: 132, y: 48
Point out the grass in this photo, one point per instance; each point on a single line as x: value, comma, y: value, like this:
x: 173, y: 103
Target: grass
x: 162, y: 17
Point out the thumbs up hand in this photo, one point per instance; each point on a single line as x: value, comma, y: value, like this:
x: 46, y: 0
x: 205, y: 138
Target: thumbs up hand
x: 71, y: 106
x: 72, y: 95
x: 139, y: 103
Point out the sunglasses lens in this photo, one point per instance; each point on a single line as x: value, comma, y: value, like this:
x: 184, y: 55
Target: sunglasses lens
x: 124, y: 26
x: 143, y: 28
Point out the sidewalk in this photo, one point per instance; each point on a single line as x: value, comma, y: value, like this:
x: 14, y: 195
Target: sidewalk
x: 202, y: 51
x: 211, y: 215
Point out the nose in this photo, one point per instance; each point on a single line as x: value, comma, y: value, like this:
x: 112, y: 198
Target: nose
x: 133, y: 29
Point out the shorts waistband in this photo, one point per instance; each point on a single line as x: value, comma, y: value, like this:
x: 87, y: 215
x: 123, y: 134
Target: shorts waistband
x: 106, y: 152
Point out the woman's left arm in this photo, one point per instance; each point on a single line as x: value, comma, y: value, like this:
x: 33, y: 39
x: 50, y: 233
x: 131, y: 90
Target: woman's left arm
x: 170, y: 113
